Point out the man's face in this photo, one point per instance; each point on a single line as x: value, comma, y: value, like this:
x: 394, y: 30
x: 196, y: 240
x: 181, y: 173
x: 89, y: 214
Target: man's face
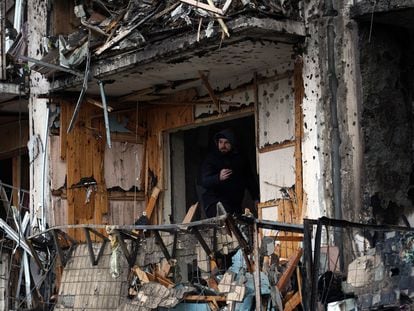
x: 224, y: 145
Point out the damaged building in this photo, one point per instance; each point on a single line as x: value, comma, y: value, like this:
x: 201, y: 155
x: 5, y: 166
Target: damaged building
x: 109, y: 107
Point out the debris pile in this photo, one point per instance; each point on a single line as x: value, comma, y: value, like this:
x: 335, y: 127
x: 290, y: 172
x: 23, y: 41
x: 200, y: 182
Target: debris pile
x: 384, y: 276
x: 111, y: 27
x: 211, y: 265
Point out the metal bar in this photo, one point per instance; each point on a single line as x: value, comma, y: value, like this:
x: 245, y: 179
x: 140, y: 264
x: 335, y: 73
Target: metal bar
x: 101, y: 251
x: 56, y: 67
x: 97, y: 233
x: 211, y: 222
x: 105, y: 112
x: 239, y: 236
x: 90, y: 246
x: 202, y: 242
x: 175, y: 242
x: 256, y: 274
x: 44, y: 160
x: 3, y: 40
x: 35, y: 255
x: 28, y: 296
x: 315, y: 270
x: 15, y: 236
x: 162, y: 245
x: 308, y: 263
x: 84, y: 88
x: 124, y: 248
x: 58, y: 248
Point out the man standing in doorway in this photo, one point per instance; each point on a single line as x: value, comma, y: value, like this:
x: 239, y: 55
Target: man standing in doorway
x: 225, y: 175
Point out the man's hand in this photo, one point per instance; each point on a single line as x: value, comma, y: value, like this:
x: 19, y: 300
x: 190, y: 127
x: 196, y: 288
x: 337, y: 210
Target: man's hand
x: 225, y: 173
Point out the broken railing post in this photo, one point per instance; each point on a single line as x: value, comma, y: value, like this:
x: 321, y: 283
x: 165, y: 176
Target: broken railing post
x: 105, y: 111
x: 94, y: 260
x: 315, y: 270
x: 58, y: 248
x: 162, y: 245
x: 308, y: 264
x: 256, y: 272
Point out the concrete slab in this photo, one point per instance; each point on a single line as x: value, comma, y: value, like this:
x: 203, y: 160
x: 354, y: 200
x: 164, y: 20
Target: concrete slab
x: 254, y: 44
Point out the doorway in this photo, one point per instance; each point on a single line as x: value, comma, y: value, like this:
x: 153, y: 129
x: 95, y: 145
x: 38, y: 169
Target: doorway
x: 188, y: 149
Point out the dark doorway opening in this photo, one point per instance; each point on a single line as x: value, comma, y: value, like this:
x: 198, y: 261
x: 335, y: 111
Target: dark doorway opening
x: 189, y: 149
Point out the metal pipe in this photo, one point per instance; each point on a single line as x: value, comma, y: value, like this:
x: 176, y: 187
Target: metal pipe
x: 336, y: 139
x: 42, y: 210
x: 105, y: 111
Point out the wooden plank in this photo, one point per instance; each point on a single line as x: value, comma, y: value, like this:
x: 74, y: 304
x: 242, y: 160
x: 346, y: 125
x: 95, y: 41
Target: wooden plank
x: 142, y: 276
x: 299, y: 94
x: 200, y: 298
x: 190, y: 214
x: 152, y: 201
x: 64, y: 123
x: 293, y: 302
x: 125, y: 195
x: 210, y: 90
x: 277, y: 146
x: 204, y: 6
x: 160, y: 279
x: 293, y: 261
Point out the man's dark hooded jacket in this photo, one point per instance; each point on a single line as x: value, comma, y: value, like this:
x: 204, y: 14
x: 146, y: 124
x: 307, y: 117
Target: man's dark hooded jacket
x: 230, y: 192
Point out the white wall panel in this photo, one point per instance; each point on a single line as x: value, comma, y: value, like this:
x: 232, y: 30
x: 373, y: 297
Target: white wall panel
x: 276, y: 112
x: 123, y: 165
x: 276, y: 169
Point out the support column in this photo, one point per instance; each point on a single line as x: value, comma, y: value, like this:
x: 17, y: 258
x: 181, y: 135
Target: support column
x: 38, y: 114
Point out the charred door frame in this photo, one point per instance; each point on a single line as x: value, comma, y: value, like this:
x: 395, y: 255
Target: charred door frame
x: 168, y: 204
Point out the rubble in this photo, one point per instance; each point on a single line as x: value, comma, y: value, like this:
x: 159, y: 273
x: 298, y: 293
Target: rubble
x: 125, y: 25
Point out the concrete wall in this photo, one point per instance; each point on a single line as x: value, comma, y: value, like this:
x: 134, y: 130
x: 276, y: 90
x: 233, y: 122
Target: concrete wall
x: 39, y: 170
x: 329, y: 106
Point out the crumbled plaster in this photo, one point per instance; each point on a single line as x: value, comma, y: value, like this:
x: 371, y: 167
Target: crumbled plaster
x: 314, y: 157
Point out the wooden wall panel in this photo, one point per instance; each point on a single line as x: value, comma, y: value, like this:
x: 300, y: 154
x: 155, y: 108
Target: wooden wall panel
x: 159, y: 119
x: 57, y: 165
x: 124, y: 212
x: 84, y: 155
x: 123, y: 165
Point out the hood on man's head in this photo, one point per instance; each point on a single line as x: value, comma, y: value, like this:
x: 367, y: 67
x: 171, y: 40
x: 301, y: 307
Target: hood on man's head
x: 228, y: 134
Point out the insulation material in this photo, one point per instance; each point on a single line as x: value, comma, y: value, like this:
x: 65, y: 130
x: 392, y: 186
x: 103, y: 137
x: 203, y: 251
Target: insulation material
x: 123, y: 165
x: 276, y: 170
x: 276, y: 112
